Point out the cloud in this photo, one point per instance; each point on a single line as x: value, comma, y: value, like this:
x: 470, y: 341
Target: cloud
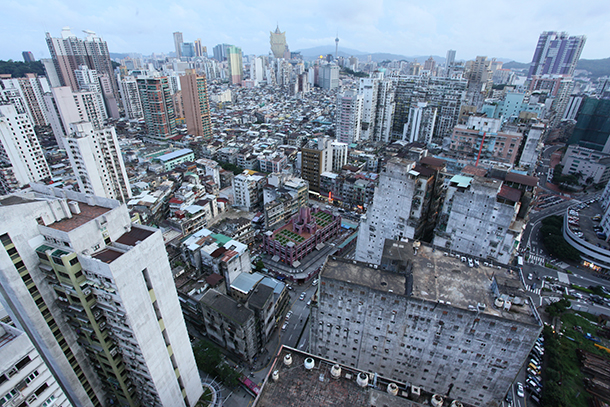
x: 502, y: 28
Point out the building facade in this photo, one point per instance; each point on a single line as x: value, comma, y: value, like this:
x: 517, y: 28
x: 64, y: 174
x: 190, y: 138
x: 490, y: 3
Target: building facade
x: 196, y: 105
x: 415, y: 320
x: 158, y: 108
x: 556, y: 53
x: 20, y: 150
x: 114, y: 332
x: 95, y: 156
x: 348, y: 114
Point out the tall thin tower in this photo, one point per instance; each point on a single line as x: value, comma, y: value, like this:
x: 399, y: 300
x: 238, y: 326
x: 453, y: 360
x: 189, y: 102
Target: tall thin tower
x: 337, y: 46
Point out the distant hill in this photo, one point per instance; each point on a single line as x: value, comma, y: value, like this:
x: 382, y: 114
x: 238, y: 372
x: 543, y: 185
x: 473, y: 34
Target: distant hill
x: 515, y: 65
x: 597, y: 67
x: 315, y: 52
x: 18, y: 69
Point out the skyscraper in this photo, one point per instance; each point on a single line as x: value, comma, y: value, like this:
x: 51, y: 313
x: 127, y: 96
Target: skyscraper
x: 348, y: 116
x: 130, y: 97
x: 178, y: 43
x: 199, y: 49
x: 235, y: 65
x: 220, y: 52
x: 30, y: 90
x: 95, y: 293
x: 96, y: 160
x: 28, y: 56
x: 450, y: 59
x: 556, y: 53
x: 69, y: 53
x: 158, y: 107
x: 277, y: 40
x: 21, y: 158
x: 196, y: 105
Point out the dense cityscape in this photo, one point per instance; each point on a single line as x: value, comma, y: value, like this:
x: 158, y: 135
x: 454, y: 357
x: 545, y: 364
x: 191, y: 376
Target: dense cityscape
x: 301, y: 229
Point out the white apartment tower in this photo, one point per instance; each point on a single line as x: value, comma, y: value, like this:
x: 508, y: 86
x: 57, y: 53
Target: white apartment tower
x: 19, y: 149
x: 388, y: 217
x: 95, y: 293
x: 30, y: 94
x: 368, y: 89
x: 74, y: 107
x: 420, y: 124
x: 96, y: 160
x: 479, y: 218
x: 130, y: 96
x: 348, y: 117
x: 340, y: 153
x: 24, y: 376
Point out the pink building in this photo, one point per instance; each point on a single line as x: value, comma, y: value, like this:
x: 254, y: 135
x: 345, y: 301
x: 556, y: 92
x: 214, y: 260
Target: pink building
x: 303, y: 233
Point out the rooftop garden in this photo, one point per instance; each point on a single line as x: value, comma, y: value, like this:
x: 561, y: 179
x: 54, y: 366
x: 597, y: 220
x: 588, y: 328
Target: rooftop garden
x: 322, y: 218
x: 285, y: 236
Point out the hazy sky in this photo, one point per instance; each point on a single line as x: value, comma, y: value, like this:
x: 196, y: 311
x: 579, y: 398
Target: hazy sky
x: 498, y: 28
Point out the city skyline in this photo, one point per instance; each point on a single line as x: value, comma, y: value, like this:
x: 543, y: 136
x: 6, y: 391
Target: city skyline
x: 390, y: 27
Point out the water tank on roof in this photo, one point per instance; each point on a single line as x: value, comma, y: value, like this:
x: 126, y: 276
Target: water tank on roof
x: 437, y: 400
x: 335, y: 371
x: 275, y: 375
x: 456, y: 403
x: 392, y: 389
x: 288, y: 359
x: 74, y: 207
x: 362, y: 379
x: 309, y: 363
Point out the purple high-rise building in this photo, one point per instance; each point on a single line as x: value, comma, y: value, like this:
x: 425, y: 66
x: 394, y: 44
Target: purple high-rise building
x: 556, y: 54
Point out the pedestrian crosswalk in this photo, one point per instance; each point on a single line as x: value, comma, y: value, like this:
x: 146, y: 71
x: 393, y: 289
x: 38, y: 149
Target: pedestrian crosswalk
x: 536, y: 259
x: 536, y: 290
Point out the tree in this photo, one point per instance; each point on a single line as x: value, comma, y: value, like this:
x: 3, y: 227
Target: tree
x: 558, y: 308
x: 260, y: 265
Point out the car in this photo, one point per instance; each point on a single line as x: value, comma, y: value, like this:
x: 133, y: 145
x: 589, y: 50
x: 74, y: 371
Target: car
x: 308, y: 303
x: 520, y: 392
x: 470, y: 262
x: 535, y: 398
x: 476, y: 263
x: 509, y: 397
x: 284, y: 326
x: 315, y: 282
x: 530, y: 276
x: 533, y: 372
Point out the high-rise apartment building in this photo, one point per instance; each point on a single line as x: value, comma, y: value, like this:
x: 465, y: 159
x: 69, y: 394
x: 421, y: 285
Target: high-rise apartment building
x: 28, y: 56
x: 444, y: 94
x: 425, y: 319
x: 200, y: 51
x: 556, y: 53
x: 236, y: 67
x: 158, y: 107
x: 94, y: 292
x: 329, y: 76
x: 316, y: 158
x: 65, y: 106
x: 220, y: 52
x: 480, y: 218
x: 96, y: 160
x: 187, y: 50
x: 401, y: 206
x: 178, y: 43
x: 20, y: 152
x: 368, y: 90
x: 27, y: 94
x: 450, y: 59
x: 277, y: 40
x: 196, y: 105
x: 348, y: 116
x: 69, y: 53
x: 130, y: 96
x: 25, y: 376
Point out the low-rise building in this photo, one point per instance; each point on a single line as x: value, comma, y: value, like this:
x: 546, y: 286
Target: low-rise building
x: 283, y: 196
x: 174, y: 159
x: 216, y: 253
x: 590, y: 166
x: 306, y: 231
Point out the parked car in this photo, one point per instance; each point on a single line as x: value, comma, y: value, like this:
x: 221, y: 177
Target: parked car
x: 520, y: 391
x: 302, y: 297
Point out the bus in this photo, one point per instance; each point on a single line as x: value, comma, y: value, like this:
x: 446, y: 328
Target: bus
x: 251, y: 387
